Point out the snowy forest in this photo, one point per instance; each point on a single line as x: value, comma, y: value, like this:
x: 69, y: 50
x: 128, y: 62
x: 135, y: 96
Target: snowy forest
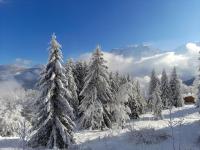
x: 83, y: 105
x: 99, y: 74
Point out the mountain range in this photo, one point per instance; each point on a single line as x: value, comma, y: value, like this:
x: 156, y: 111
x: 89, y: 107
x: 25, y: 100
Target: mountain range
x: 27, y: 77
x: 137, y: 51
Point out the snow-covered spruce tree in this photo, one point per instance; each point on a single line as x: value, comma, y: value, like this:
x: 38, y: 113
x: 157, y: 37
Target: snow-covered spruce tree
x: 165, y: 90
x: 119, y: 106
x: 157, y: 106
x: 175, y: 86
x: 95, y: 106
x: 53, y: 127
x: 80, y: 72
x: 113, y: 83
x: 140, y: 99
x: 152, y: 85
x: 117, y: 80
x: 123, y: 80
x: 128, y: 78
x: 153, y: 82
x: 71, y: 85
x: 133, y: 102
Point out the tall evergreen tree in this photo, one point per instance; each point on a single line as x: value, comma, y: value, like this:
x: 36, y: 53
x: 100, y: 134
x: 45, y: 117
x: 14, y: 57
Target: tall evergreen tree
x: 72, y: 85
x: 165, y: 90
x: 80, y: 72
x: 175, y: 85
x: 128, y: 78
x: 154, y: 82
x: 95, y: 106
x: 53, y: 127
x: 113, y: 83
x: 120, y: 109
x: 157, y: 105
x: 123, y: 79
x: 140, y: 99
x: 133, y: 101
x: 117, y: 80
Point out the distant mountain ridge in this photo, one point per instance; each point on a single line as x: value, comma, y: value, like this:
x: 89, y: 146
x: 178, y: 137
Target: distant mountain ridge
x: 189, y: 82
x: 27, y: 77
x: 136, y: 51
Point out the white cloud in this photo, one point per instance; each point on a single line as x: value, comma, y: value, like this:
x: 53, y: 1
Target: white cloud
x: 118, y: 62
x: 193, y: 48
x: 186, y: 62
x: 22, y: 62
x: 114, y: 62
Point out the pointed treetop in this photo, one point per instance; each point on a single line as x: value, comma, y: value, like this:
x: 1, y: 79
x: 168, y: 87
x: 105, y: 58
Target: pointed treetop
x: 55, y: 49
x: 98, y: 49
x: 54, y: 43
x: 70, y: 60
x: 153, y: 71
x: 53, y: 36
x: 174, y: 71
x: 98, y: 46
x: 98, y: 54
x: 164, y: 74
x: 163, y: 71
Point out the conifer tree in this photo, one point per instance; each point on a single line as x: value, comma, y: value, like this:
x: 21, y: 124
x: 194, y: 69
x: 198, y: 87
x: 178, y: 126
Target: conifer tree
x: 157, y: 106
x: 80, y: 72
x: 154, y: 82
x: 133, y: 102
x: 123, y: 79
x: 175, y: 86
x: 53, y: 127
x: 95, y: 106
x: 117, y: 80
x: 113, y: 83
x: 165, y: 90
x: 119, y: 107
x: 128, y: 78
x: 140, y: 99
x: 72, y: 86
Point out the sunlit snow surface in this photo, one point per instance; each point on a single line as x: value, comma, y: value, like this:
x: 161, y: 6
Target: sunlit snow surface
x: 186, y: 134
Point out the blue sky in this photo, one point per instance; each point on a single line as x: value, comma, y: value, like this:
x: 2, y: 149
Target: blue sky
x: 26, y: 25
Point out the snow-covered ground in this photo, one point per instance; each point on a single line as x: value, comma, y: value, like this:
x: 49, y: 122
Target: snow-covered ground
x: 186, y: 133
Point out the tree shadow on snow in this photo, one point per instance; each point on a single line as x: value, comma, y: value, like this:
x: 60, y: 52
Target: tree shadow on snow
x: 174, y: 114
x: 185, y: 137
x: 10, y: 143
x: 184, y: 112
